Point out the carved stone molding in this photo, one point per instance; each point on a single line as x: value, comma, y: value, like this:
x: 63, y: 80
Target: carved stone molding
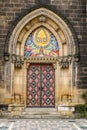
x: 6, y: 56
x: 64, y: 62
x: 40, y: 59
x: 42, y: 19
x: 27, y: 27
x: 27, y: 65
x: 55, y: 65
x: 76, y: 58
x: 18, y: 61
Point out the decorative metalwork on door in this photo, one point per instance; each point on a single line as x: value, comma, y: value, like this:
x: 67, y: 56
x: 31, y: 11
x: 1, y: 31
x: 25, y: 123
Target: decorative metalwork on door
x: 41, y: 85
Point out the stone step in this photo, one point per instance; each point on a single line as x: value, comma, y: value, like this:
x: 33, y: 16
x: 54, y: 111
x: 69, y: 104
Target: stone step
x: 40, y: 110
x: 40, y: 113
x: 41, y: 116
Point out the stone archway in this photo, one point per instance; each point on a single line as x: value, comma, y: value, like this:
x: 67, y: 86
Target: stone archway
x: 63, y: 64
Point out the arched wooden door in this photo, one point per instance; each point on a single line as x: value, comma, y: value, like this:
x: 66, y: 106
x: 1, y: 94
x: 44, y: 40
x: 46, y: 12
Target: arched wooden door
x: 40, y: 85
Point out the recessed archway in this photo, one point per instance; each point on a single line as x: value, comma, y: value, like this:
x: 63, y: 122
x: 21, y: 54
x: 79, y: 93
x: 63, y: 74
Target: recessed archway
x: 42, y: 16
x: 63, y: 63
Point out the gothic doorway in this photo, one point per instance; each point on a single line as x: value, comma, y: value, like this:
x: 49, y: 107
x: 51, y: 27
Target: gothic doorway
x: 40, y: 85
x: 42, y: 38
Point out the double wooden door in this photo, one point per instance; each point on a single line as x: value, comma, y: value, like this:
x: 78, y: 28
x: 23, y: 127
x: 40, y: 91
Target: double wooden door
x: 40, y: 85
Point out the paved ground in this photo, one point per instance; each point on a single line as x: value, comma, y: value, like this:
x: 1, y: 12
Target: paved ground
x: 43, y: 124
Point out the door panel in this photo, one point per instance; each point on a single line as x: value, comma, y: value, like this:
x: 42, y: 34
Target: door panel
x: 48, y: 85
x: 33, y: 82
x: 40, y: 85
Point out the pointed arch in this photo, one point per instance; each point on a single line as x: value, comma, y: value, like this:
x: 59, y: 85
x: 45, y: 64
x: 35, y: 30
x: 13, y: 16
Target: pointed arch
x: 61, y: 26
x: 67, y: 41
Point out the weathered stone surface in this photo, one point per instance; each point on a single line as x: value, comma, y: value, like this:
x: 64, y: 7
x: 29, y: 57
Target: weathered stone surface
x: 43, y: 2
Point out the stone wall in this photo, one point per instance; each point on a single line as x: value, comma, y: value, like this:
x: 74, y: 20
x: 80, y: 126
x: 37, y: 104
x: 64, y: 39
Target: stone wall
x: 74, y: 11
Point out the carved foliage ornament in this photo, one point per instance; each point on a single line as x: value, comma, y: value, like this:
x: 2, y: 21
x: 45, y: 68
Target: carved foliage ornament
x: 42, y: 19
x: 18, y: 61
x: 64, y: 62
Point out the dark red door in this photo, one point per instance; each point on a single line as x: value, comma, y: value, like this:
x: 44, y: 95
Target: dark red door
x: 41, y: 85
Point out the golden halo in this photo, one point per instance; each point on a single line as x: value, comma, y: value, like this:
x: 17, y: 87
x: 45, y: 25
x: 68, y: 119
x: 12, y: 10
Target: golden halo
x: 41, y: 37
